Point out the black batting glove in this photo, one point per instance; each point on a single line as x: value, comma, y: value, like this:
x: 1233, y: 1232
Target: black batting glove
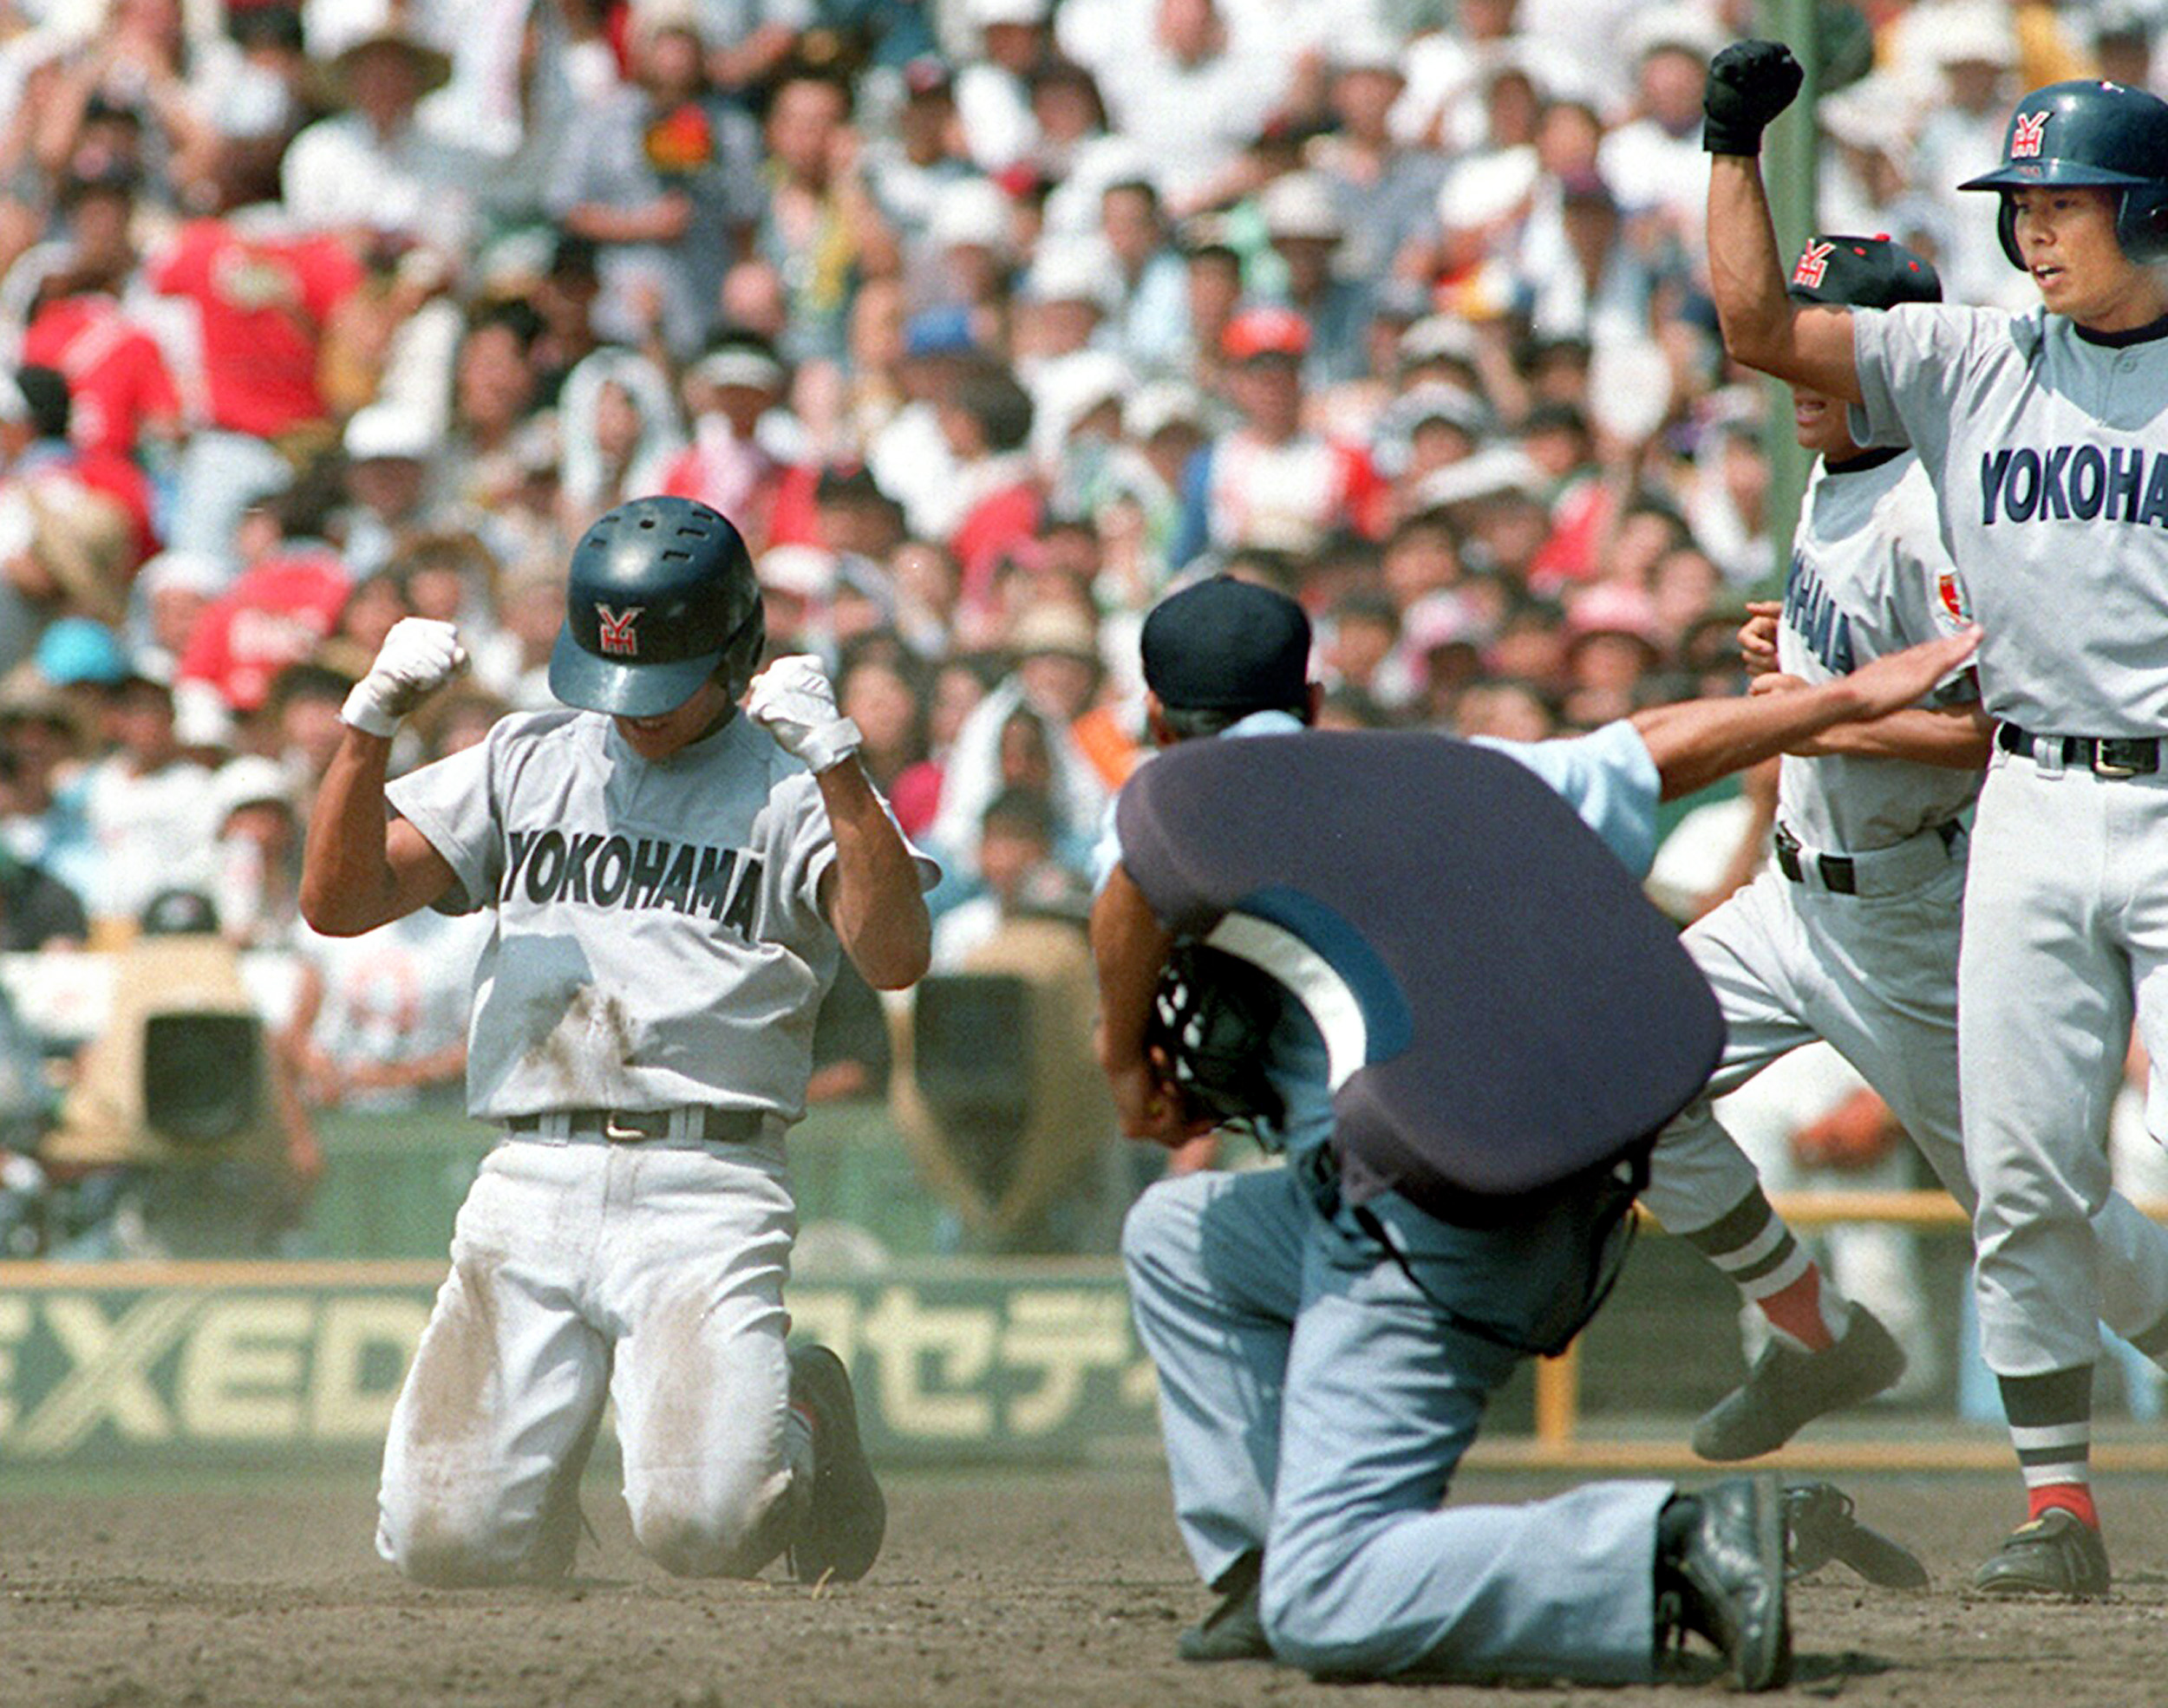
x: 1749, y: 83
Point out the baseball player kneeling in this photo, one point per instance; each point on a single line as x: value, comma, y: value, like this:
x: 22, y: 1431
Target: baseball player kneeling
x: 670, y: 884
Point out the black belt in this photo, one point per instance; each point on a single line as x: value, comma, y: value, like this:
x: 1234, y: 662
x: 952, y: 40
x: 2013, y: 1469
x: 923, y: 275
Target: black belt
x: 1840, y: 876
x: 2103, y: 755
x: 630, y: 1126
x: 1840, y: 872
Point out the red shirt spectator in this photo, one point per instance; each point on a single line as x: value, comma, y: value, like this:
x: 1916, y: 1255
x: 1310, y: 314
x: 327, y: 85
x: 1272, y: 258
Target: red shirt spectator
x: 272, y: 617
x: 118, y: 382
x: 262, y: 305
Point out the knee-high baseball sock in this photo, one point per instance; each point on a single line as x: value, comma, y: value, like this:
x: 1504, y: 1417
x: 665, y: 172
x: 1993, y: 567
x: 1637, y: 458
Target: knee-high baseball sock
x: 2051, y: 1426
x: 2153, y: 1341
x: 1764, y: 1259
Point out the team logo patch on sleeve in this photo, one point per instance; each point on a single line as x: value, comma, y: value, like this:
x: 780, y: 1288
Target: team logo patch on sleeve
x: 615, y: 633
x: 2028, y: 135
x: 1813, y: 266
x: 1952, y: 595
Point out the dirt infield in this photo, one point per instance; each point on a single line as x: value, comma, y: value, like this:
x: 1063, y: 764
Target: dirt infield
x: 993, y: 1590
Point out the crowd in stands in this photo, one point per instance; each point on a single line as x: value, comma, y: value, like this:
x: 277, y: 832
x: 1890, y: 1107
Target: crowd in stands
x: 987, y: 321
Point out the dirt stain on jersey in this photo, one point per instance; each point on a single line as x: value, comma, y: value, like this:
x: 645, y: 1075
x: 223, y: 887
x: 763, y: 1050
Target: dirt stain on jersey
x: 585, y: 1053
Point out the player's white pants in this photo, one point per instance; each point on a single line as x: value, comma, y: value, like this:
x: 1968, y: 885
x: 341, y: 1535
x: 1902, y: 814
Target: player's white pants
x: 2066, y: 925
x: 652, y: 1275
x: 1877, y: 976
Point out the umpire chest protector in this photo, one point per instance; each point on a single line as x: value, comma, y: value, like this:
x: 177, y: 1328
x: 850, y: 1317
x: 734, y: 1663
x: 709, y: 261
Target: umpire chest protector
x: 1503, y: 1009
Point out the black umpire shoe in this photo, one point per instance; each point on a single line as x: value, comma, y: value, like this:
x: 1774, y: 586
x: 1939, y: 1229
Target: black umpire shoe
x: 1232, y: 1631
x: 839, y: 1534
x: 1819, y: 1518
x: 1719, y: 1572
x: 2056, y: 1553
x: 1787, y: 1390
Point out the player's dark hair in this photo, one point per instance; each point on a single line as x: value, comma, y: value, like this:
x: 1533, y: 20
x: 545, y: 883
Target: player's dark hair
x: 45, y: 391
x: 1189, y: 723
x: 1365, y: 606
x: 1020, y: 810
x: 1134, y: 186
x: 306, y: 680
x: 989, y: 394
x: 521, y: 319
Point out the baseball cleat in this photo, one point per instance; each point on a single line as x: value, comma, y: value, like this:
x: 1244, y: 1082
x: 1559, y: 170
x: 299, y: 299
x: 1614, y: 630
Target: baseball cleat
x: 840, y: 1533
x: 1819, y: 1518
x: 1233, y: 1630
x: 1787, y: 1390
x: 2056, y: 1553
x: 1719, y: 1572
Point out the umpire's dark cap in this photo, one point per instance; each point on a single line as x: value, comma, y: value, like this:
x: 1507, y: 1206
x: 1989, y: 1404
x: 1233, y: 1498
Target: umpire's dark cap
x: 1225, y: 645
x: 1862, y: 273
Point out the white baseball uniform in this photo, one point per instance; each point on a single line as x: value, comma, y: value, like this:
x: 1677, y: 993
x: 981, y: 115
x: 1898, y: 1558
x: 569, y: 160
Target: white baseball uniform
x: 642, y: 1025
x: 1850, y: 933
x: 2048, y: 450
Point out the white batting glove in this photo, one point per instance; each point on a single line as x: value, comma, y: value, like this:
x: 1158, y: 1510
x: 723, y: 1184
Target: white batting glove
x: 418, y: 657
x: 792, y: 701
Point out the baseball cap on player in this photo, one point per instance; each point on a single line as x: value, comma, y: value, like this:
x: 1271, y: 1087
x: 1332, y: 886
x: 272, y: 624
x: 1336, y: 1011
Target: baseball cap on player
x: 2088, y: 132
x: 1862, y: 273
x: 660, y: 597
x: 1227, y: 646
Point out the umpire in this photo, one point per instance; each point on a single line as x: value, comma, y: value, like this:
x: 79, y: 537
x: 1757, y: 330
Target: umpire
x: 1463, y: 1026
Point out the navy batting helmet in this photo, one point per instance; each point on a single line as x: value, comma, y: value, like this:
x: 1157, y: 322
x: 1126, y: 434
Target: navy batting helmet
x: 2089, y: 133
x: 660, y: 597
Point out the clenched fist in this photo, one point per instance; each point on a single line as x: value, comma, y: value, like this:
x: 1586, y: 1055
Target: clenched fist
x: 1749, y: 83
x: 418, y: 657
x: 792, y: 701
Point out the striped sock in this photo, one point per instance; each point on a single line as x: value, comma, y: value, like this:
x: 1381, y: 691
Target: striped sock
x: 2051, y: 1426
x: 1751, y: 1244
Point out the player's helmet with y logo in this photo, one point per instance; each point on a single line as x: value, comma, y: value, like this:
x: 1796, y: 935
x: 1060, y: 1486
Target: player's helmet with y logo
x: 660, y: 597
x: 2087, y: 131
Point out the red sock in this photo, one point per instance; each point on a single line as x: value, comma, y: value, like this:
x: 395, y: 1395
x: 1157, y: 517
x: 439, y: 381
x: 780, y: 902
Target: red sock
x: 1796, y: 1310
x: 2070, y: 1496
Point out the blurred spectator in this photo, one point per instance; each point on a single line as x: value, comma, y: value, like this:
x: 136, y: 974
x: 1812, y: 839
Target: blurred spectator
x: 372, y: 173
x: 735, y: 460
x: 1016, y: 837
x: 389, y: 450
x: 1304, y: 226
x: 660, y: 179
x: 621, y: 434
x: 821, y: 230
x: 286, y: 599
x: 261, y: 293
x: 146, y: 803
x: 993, y: 94
x: 1270, y: 481
x: 1148, y: 318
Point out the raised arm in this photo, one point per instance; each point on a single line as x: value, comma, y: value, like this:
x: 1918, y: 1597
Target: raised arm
x: 871, y: 894
x: 1750, y: 83
x: 361, y: 868
x: 1697, y: 741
